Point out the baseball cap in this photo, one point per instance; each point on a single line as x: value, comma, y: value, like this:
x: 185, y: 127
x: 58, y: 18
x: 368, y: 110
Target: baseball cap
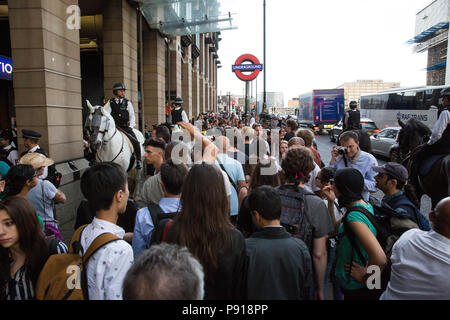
x: 393, y: 169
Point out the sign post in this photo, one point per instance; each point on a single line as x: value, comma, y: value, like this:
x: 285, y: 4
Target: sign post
x: 247, y: 72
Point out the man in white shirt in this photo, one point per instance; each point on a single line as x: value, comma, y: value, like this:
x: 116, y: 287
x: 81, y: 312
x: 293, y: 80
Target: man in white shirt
x: 252, y: 121
x: 439, y: 142
x: 421, y: 261
x: 106, y: 189
x: 178, y: 113
x: 122, y: 111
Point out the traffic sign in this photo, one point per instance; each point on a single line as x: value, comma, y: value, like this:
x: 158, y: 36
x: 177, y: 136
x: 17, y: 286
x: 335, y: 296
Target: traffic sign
x: 255, y: 67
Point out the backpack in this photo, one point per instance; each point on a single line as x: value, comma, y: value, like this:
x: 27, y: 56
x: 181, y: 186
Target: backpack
x: 294, y: 217
x: 390, y: 225
x: 161, y: 222
x: 64, y: 276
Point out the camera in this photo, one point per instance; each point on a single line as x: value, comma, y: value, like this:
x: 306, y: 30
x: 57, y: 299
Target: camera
x: 342, y: 150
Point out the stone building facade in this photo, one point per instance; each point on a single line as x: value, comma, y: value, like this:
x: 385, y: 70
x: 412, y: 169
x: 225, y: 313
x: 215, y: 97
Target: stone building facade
x: 57, y: 68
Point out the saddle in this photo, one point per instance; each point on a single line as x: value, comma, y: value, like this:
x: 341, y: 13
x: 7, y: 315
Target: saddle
x: 129, y: 139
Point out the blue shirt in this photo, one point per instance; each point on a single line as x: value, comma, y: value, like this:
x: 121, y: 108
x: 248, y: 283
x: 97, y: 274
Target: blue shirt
x: 363, y: 164
x: 236, y: 173
x: 144, y: 224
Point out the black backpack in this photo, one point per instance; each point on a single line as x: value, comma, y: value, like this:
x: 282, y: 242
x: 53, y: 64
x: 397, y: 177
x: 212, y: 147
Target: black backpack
x: 294, y: 217
x: 390, y: 226
x: 161, y: 221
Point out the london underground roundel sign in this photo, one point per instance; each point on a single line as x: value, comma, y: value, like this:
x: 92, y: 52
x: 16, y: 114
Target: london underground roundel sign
x: 254, y: 67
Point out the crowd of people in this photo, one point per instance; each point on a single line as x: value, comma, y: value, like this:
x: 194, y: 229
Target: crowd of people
x: 252, y: 213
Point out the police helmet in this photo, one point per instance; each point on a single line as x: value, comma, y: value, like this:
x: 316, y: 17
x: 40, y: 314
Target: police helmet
x: 445, y: 92
x: 119, y: 86
x: 178, y: 101
x: 353, y: 105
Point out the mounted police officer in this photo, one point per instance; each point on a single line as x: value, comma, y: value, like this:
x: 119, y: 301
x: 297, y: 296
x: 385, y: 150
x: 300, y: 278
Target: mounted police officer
x: 439, y: 142
x: 122, y: 112
x: 178, y: 113
x: 8, y: 150
x: 352, y: 118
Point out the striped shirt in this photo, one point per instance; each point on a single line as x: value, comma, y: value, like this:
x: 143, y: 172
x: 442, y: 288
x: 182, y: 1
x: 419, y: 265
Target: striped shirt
x: 20, y: 287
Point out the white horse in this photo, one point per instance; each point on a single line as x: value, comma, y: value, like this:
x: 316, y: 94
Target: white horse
x: 110, y: 144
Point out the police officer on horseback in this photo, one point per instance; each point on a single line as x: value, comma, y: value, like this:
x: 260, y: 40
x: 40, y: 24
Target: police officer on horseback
x: 122, y: 112
x: 352, y: 118
x: 178, y: 113
x: 439, y: 142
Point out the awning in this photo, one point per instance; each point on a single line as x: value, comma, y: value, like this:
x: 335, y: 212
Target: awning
x: 437, y: 66
x: 184, y: 17
x: 428, y: 32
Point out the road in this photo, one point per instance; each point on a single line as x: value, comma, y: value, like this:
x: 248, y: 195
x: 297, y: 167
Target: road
x: 324, y: 146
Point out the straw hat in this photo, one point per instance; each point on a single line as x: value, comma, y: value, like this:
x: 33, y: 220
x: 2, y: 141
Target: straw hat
x: 36, y: 160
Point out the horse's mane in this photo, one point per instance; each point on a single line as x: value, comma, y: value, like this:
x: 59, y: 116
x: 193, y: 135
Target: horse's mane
x: 414, y: 125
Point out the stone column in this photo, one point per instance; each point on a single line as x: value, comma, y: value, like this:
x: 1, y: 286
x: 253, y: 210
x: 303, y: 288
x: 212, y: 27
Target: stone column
x: 154, y: 77
x: 201, y: 60
x: 47, y: 89
x: 47, y: 79
x: 186, y: 82
x: 175, y: 67
x: 202, y: 94
x: 195, y: 90
x: 120, y: 49
x: 447, y: 71
x: 207, y: 75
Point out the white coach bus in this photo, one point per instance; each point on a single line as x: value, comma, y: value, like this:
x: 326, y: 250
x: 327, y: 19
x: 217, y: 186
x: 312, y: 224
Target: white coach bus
x: 386, y: 107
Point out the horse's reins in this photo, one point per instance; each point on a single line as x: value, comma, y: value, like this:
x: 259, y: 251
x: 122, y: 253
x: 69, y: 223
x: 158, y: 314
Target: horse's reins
x: 121, y: 148
x: 106, y: 141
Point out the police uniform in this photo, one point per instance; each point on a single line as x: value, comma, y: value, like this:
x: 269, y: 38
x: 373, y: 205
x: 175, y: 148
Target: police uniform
x: 439, y: 143
x: 9, y: 153
x: 35, y: 135
x: 352, y: 120
x: 178, y: 114
x: 122, y: 112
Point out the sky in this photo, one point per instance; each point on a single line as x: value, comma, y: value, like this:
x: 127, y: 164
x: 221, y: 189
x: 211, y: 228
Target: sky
x: 320, y: 44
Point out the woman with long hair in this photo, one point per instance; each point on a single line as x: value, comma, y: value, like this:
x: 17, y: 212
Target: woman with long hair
x: 204, y: 227
x: 258, y: 178
x: 23, y: 249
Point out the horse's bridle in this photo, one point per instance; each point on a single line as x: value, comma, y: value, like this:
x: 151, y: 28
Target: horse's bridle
x: 107, y: 126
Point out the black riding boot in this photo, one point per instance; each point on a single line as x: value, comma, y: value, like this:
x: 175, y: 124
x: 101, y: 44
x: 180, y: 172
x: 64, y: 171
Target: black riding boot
x: 136, y: 146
